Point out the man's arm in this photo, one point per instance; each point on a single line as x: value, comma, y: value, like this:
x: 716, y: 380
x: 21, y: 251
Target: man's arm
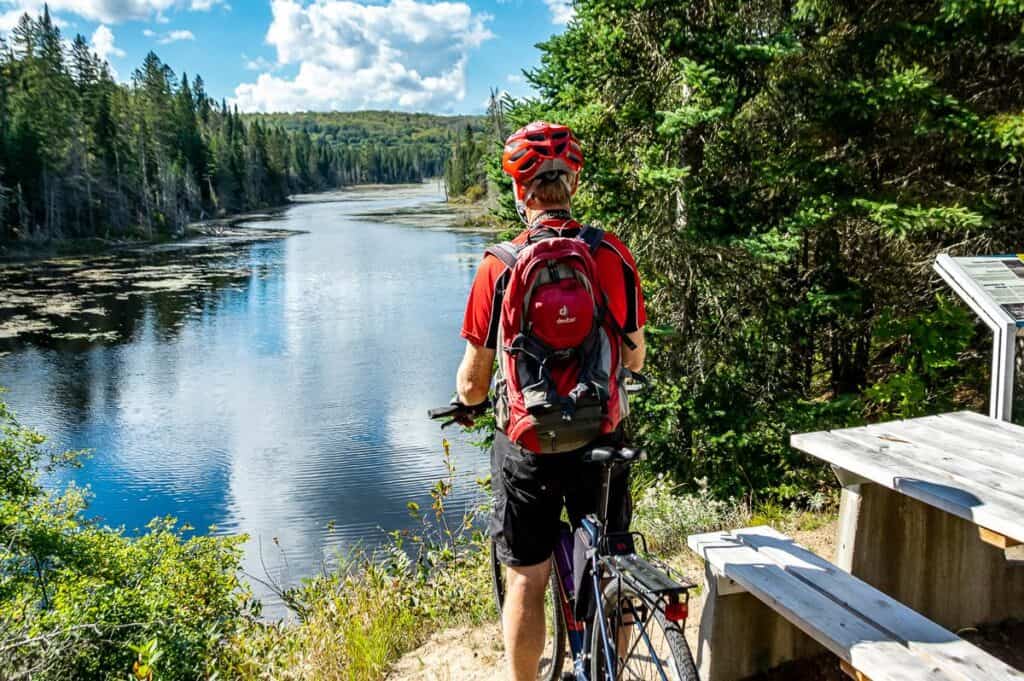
x: 634, y: 359
x: 474, y: 378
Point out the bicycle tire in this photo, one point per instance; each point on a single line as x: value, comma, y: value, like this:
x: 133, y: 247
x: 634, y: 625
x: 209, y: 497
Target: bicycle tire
x: 555, y: 632
x: 678, y: 667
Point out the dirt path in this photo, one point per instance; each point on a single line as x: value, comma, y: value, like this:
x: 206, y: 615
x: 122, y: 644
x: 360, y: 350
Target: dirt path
x: 476, y: 654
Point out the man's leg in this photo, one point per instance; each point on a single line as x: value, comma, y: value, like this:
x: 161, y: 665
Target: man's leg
x: 523, y: 619
x: 524, y: 526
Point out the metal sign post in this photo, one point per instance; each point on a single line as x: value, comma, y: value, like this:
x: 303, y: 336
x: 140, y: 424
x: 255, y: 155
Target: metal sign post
x: 993, y: 286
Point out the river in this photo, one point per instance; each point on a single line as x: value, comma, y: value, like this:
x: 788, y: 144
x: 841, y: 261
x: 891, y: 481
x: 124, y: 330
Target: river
x: 274, y: 387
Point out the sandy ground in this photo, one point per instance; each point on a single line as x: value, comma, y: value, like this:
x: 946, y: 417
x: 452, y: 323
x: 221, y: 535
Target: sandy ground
x: 465, y: 654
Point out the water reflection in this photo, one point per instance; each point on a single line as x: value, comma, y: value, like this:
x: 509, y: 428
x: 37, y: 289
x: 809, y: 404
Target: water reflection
x: 282, y: 388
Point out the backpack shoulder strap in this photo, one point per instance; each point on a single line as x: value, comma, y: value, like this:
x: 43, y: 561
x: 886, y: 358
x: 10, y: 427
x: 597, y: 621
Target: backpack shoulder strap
x: 507, y: 252
x: 592, y: 236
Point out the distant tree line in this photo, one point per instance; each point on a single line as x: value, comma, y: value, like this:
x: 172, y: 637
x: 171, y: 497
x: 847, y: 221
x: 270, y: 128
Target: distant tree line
x: 82, y: 155
x: 380, y: 146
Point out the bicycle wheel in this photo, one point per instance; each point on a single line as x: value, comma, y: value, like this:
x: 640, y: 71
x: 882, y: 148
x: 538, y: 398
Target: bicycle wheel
x: 554, y: 644
x: 654, y: 648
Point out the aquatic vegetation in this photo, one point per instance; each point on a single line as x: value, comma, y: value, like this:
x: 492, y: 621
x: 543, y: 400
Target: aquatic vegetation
x: 76, y: 299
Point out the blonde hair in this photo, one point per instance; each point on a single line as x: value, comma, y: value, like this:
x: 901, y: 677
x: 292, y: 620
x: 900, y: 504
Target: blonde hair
x: 551, y: 191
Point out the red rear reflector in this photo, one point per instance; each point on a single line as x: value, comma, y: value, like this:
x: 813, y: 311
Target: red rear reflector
x: 676, y: 612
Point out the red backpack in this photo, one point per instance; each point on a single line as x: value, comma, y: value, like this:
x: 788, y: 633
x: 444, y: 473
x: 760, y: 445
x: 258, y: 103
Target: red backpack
x: 559, y: 380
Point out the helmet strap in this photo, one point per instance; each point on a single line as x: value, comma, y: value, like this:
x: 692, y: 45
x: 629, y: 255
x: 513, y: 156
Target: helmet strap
x: 521, y: 211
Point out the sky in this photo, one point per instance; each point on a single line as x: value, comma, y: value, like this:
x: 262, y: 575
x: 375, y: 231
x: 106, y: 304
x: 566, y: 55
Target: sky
x: 322, y: 55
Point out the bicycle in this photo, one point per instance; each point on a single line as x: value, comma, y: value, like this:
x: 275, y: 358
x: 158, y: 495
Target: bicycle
x: 628, y: 599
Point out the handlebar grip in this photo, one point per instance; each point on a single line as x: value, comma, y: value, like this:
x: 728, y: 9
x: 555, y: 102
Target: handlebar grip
x: 456, y: 409
x: 443, y: 412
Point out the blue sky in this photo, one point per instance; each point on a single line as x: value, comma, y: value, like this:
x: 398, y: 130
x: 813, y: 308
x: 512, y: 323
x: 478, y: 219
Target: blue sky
x: 287, y: 55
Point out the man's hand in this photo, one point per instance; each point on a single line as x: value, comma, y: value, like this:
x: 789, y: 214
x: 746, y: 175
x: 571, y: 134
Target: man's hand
x: 466, y: 416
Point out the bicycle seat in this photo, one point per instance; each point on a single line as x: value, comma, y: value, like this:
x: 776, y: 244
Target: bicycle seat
x: 614, y: 455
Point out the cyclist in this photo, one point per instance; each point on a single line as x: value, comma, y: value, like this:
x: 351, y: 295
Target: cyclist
x: 530, y: 488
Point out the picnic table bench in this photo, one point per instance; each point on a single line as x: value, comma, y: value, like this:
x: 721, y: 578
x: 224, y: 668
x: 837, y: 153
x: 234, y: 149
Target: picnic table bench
x: 770, y: 600
x: 929, y: 507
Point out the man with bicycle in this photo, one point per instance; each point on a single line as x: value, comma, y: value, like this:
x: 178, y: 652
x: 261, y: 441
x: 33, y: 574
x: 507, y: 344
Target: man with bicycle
x: 561, y: 309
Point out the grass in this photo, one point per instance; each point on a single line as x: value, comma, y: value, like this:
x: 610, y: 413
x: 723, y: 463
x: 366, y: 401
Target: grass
x: 355, y: 623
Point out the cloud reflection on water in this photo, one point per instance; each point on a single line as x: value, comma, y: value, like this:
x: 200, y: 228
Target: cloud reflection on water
x: 277, y: 402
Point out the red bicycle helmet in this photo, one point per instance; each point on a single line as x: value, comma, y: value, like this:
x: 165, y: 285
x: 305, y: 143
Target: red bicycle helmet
x: 537, y: 148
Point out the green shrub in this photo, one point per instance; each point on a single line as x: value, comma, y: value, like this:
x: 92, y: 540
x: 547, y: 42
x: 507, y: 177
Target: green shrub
x: 76, y: 597
x: 666, y: 517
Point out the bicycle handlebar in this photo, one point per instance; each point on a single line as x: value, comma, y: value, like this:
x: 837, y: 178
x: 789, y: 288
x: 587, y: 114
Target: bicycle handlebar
x: 456, y: 411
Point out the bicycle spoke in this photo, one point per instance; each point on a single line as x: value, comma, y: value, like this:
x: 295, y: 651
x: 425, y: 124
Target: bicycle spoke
x: 639, y: 664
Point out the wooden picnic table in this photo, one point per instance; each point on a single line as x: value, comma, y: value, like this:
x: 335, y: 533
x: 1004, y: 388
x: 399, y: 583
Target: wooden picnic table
x: 929, y: 507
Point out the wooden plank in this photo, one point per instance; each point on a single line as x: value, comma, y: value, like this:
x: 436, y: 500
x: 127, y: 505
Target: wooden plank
x: 1000, y: 541
x: 841, y: 630
x: 851, y: 672
x: 978, y: 446
x: 908, y: 479
x: 986, y: 433
x: 988, y: 484
x: 980, y: 421
x: 919, y: 633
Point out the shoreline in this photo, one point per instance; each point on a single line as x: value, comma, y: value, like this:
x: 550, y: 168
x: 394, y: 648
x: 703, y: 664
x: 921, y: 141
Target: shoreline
x: 228, y: 228
x: 454, y: 215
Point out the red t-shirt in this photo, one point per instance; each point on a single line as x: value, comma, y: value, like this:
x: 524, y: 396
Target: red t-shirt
x: 616, y: 271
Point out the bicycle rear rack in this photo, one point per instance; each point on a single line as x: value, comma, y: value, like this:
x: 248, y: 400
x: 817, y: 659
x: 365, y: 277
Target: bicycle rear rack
x: 647, y: 578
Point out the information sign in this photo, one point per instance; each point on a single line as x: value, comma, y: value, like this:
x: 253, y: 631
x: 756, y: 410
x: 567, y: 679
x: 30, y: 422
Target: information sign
x: 1001, y: 277
x: 993, y: 286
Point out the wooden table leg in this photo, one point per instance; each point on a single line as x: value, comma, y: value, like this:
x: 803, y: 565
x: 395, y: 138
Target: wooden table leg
x: 934, y: 562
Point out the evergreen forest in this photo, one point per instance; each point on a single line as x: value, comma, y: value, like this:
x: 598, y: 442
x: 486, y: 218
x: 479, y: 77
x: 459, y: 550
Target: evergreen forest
x: 83, y: 155
x: 379, y: 146
x: 786, y: 173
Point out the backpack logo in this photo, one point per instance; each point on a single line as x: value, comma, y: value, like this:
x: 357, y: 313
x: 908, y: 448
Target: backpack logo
x: 563, y: 316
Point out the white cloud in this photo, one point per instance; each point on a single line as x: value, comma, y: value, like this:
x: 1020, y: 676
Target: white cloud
x: 259, y: 64
x: 515, y: 78
x: 102, y: 42
x: 176, y: 36
x: 405, y: 54
x: 170, y: 36
x: 110, y: 11
x: 10, y: 19
x: 562, y: 11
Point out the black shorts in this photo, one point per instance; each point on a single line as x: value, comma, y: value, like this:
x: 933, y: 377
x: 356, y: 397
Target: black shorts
x: 531, y: 489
